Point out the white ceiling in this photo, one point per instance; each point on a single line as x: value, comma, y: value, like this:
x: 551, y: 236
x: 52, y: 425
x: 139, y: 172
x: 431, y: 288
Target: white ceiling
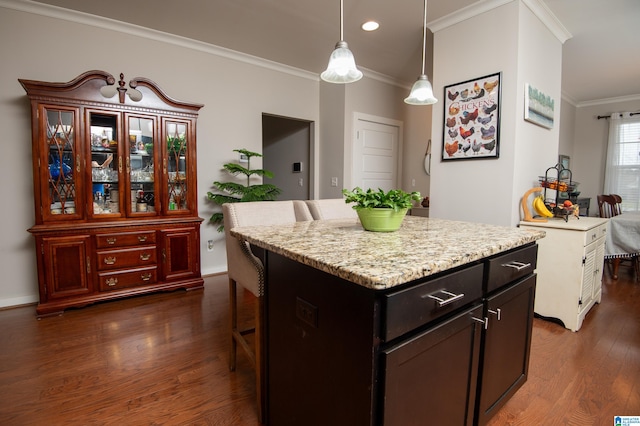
x: 600, y: 61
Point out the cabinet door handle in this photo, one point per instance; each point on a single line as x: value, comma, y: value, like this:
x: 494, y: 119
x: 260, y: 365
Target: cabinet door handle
x: 518, y: 266
x: 145, y: 256
x: 485, y: 321
x: 111, y: 281
x: 111, y: 260
x: 443, y: 302
x: 497, y: 312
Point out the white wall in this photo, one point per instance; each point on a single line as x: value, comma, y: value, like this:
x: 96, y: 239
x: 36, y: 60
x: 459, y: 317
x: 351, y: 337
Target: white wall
x: 589, y: 149
x: 41, y: 43
x: 516, y: 44
x: 539, y: 64
x: 43, y: 48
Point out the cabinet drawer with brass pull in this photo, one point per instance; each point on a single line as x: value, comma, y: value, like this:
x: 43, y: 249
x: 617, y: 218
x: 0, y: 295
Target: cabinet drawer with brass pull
x: 115, y: 280
x: 125, y: 239
x: 126, y: 257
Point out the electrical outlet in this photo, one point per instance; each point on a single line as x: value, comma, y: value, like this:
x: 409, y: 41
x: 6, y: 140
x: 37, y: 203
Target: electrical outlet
x: 301, y: 182
x: 413, y: 182
x: 210, y: 245
x: 334, y: 181
x: 306, y: 312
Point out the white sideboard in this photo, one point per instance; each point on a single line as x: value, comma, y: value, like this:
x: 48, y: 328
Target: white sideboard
x: 570, y: 266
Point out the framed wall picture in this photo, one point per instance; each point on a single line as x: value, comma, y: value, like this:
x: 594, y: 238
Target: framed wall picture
x: 538, y: 107
x: 472, y: 119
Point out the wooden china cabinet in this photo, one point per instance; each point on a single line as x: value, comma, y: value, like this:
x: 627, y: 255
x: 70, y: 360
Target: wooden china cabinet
x: 114, y: 176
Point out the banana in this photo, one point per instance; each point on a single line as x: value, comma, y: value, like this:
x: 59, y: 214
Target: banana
x: 540, y: 208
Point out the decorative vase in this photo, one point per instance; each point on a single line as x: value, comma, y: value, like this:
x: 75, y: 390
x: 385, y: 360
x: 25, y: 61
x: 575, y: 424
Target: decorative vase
x: 381, y: 220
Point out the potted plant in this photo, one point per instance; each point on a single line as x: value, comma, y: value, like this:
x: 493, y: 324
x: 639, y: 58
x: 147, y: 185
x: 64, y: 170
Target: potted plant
x: 235, y: 192
x: 379, y: 210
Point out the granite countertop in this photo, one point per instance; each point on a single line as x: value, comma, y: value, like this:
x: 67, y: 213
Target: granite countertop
x: 381, y: 260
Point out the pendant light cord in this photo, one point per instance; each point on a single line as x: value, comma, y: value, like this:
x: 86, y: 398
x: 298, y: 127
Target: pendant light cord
x: 341, y: 20
x: 424, y: 35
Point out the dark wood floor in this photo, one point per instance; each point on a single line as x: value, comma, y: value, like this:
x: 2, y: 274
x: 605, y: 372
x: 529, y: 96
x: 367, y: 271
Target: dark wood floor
x: 162, y: 360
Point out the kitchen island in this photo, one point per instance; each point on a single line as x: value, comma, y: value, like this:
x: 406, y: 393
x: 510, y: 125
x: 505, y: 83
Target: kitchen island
x: 427, y: 325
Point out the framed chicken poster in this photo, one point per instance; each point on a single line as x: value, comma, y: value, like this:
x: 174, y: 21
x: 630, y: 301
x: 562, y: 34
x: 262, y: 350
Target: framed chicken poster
x: 472, y: 119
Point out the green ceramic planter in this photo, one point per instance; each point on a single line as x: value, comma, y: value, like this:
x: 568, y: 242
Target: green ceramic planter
x: 381, y: 220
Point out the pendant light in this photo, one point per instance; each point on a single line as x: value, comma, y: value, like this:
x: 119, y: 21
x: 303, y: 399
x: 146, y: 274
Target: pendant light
x: 422, y: 92
x: 342, y: 65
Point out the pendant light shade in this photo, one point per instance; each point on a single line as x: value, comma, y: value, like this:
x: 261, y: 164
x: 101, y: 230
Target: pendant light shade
x: 342, y: 65
x: 422, y: 92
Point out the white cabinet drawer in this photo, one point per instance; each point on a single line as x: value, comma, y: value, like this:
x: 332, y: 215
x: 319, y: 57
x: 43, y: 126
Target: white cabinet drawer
x: 594, y: 233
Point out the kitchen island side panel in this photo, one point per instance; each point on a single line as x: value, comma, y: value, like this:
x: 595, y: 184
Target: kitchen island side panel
x: 321, y: 351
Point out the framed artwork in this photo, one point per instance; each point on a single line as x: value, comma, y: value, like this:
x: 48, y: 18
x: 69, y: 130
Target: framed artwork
x: 538, y: 107
x: 472, y: 119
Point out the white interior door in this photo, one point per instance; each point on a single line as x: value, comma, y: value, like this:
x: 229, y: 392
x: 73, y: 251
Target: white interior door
x: 375, y: 155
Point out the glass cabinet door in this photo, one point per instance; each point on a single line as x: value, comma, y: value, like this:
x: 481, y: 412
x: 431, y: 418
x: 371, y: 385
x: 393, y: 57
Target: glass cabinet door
x: 177, y: 134
x: 63, y: 162
x: 106, y: 164
x: 141, y: 199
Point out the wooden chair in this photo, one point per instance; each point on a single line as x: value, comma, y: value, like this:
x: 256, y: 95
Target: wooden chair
x: 246, y: 269
x: 610, y: 206
x: 332, y: 208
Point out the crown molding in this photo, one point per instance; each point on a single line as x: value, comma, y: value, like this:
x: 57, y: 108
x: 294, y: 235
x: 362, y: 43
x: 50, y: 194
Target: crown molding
x: 542, y: 11
x: 465, y: 13
x: 538, y: 8
x: 619, y: 99
x: 56, y: 12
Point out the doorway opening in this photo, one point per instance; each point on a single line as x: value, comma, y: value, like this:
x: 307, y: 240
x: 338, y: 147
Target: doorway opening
x: 286, y: 150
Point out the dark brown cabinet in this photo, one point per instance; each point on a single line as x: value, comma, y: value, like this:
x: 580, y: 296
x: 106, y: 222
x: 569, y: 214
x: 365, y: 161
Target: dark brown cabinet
x: 446, y: 358
x: 450, y: 349
x: 506, y: 346
x: 115, y: 191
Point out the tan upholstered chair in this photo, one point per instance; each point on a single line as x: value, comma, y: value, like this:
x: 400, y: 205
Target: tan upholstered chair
x: 333, y: 208
x: 246, y: 270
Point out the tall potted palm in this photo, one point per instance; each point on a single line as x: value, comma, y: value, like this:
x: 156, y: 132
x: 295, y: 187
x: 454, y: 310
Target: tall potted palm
x: 235, y: 192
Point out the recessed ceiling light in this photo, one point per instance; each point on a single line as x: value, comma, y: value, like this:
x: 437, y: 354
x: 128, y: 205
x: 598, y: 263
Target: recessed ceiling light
x: 370, y: 26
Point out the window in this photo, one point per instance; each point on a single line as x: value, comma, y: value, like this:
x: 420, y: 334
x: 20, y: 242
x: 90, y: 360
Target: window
x: 622, y: 175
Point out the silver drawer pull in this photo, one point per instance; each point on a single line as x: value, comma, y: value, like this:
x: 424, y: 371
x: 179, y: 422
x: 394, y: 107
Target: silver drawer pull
x: 443, y: 302
x: 497, y: 312
x: 485, y: 321
x: 518, y: 266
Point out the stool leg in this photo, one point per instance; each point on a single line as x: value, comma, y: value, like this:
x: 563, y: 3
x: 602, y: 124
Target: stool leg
x: 261, y: 390
x: 233, y: 311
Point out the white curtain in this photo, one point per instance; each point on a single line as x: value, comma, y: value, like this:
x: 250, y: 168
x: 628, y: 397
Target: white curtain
x: 622, y: 172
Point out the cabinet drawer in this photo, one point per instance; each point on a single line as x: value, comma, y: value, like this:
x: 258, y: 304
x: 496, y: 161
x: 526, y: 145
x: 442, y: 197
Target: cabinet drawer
x: 125, y: 239
x: 413, y: 307
x: 109, y: 281
x: 594, y: 233
x: 125, y: 258
x: 510, y: 266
